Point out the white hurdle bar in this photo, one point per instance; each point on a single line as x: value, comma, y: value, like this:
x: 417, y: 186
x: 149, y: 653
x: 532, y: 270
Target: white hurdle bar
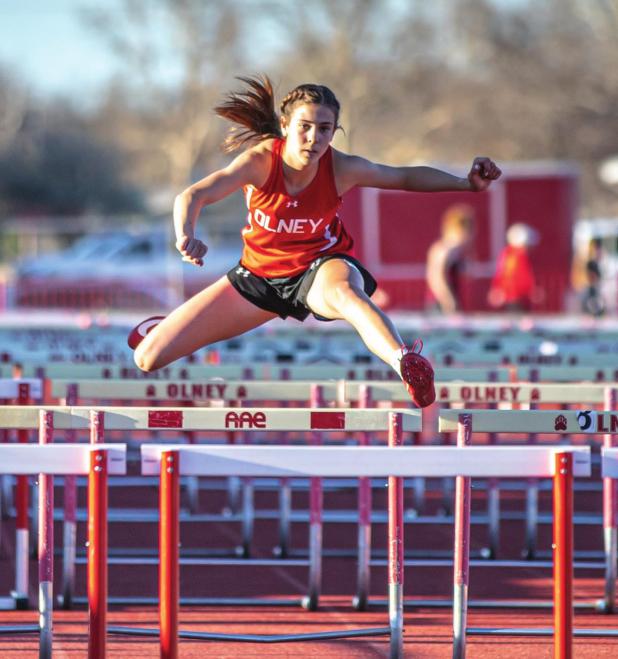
x: 539, y: 421
x: 394, y: 462
x: 46, y: 460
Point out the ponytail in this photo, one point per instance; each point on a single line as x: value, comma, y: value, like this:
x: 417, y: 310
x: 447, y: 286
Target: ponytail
x: 253, y: 112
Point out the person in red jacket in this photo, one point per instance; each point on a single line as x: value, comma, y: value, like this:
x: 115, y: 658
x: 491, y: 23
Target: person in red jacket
x: 297, y: 256
x: 513, y: 287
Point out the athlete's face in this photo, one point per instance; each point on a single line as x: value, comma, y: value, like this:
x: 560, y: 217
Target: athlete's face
x: 309, y: 131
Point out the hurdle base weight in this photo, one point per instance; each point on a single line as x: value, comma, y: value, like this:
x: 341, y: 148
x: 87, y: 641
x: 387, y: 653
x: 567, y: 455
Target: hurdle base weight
x: 309, y: 603
x: 242, y: 552
x: 21, y: 601
x: 603, y: 606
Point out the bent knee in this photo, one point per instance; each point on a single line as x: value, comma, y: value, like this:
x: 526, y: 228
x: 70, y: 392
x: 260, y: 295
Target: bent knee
x: 344, y: 292
x: 146, y: 359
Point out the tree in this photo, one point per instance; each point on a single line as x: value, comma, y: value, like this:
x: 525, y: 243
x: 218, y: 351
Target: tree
x: 53, y: 165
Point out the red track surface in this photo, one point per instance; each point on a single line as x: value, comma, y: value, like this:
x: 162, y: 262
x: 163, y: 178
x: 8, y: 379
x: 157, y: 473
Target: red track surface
x: 427, y: 630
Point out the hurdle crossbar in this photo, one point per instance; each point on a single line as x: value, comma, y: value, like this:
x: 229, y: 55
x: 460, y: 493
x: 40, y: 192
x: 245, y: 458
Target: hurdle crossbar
x: 533, y: 421
x: 223, y: 418
x: 216, y: 389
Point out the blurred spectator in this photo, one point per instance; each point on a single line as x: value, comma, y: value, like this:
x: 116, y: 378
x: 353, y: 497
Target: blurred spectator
x: 513, y: 287
x: 586, y: 278
x: 446, y: 258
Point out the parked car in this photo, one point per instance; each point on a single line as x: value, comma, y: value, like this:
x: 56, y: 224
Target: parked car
x: 117, y: 269
x: 100, y: 253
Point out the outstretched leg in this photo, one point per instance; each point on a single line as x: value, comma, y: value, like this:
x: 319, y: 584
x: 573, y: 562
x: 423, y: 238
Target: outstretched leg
x: 217, y: 313
x: 337, y: 292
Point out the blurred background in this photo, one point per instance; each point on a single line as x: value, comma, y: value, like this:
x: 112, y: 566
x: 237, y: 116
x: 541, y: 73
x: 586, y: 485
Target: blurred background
x: 106, y: 114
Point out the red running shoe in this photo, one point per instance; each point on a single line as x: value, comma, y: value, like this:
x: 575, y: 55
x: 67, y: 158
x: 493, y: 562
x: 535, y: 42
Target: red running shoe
x: 417, y: 375
x: 137, y: 334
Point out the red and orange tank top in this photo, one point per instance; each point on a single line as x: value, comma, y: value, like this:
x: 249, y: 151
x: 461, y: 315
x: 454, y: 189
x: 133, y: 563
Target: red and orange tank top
x: 285, y: 233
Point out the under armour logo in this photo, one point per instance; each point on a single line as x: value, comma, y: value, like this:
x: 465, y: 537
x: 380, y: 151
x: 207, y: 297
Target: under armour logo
x: 291, y: 204
x: 242, y: 271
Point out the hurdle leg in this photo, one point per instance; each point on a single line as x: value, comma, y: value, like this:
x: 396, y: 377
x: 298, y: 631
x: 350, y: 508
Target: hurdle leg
x: 316, y: 501
x: 169, y: 540
x: 97, y: 542
x: 493, y: 496
x: 192, y: 482
x: 311, y: 601
x: 493, y: 512
x: 233, y: 485
x: 22, y: 535
x: 69, y: 527
x: 395, y: 545
x: 461, y: 562
x: 285, y: 507
x: 34, y: 518
x: 6, y: 481
x: 248, y: 508
x: 46, y: 545
x: 532, y: 517
x: 285, y: 498
x: 248, y: 515
x: 447, y: 487
x: 363, y: 576
x: 610, y: 534
x: 610, y: 541
x: 69, y: 542
x: 7, y: 495
x: 563, y: 555
x: 532, y: 498
x: 419, y: 484
x: 22, y: 553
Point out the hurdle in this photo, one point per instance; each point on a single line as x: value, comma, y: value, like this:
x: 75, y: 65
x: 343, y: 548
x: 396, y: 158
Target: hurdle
x: 21, y: 390
x: 181, y: 419
x: 394, y: 462
x: 211, y: 393
x: 170, y: 465
x: 46, y: 460
x: 529, y: 394
x: 344, y: 392
x: 466, y: 422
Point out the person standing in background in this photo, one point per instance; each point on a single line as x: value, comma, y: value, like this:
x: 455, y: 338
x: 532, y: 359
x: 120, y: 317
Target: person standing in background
x: 446, y: 258
x: 513, y: 287
x: 587, y: 276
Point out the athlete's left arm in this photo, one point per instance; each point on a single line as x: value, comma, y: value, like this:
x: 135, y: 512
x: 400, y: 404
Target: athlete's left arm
x: 351, y: 171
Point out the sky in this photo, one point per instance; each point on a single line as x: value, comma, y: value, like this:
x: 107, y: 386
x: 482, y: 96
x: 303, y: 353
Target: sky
x: 46, y: 46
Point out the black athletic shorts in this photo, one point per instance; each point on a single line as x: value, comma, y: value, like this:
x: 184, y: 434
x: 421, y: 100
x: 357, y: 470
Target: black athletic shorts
x: 287, y: 296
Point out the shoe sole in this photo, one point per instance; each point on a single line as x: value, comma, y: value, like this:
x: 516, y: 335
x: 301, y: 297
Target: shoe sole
x: 418, y: 376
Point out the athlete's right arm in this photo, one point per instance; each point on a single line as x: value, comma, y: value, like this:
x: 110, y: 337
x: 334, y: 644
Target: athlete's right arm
x: 249, y: 168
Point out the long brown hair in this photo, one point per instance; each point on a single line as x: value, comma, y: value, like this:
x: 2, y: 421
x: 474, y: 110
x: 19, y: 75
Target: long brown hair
x: 253, y: 109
